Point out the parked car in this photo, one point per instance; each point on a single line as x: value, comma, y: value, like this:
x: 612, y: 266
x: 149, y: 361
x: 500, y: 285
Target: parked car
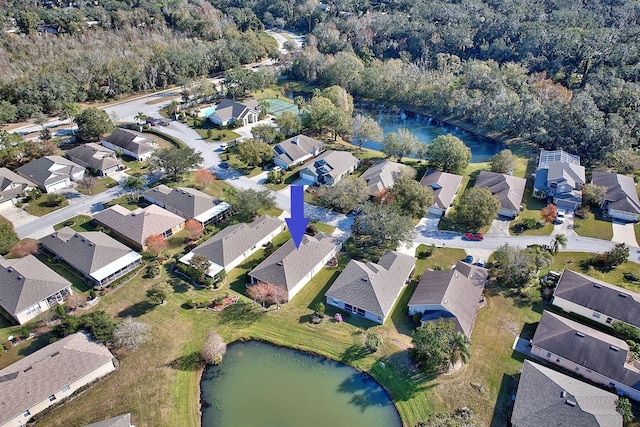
x: 469, y: 259
x: 474, y: 236
x: 224, y: 165
x: 357, y: 210
x: 224, y: 146
x: 152, y: 121
x: 560, y: 216
x: 481, y: 262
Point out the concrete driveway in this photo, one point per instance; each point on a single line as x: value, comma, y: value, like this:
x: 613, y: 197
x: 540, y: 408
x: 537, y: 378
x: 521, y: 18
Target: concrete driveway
x: 500, y: 227
x: 428, y: 224
x: 623, y: 232
x: 17, y: 216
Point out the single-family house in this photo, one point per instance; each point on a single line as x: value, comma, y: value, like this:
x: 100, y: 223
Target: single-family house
x: 13, y: 187
x: 382, y: 175
x: 236, y: 243
x: 28, y: 287
x: 134, y: 227
x: 621, y: 197
x: 51, y: 173
x: 291, y: 268
x: 509, y: 190
x: 371, y: 289
x: 330, y: 167
x: 559, y: 179
x: 548, y: 398
x: 50, y: 375
x: 296, y: 150
x: 130, y: 143
x: 587, y: 352
x: 99, y: 159
x: 453, y: 295
x: 189, y: 203
x: 94, y: 254
x: 445, y: 187
x: 596, y: 300
x: 119, y: 421
x: 231, y: 112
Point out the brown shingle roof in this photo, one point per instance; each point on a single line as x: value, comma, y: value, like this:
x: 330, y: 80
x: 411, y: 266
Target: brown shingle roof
x: 382, y: 174
x: 94, y: 156
x: 292, y: 150
x: 444, y: 186
x: 621, y: 191
x: 509, y: 189
x: 129, y: 140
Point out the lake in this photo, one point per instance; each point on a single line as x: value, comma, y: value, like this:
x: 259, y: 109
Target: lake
x: 261, y: 385
x: 426, y: 130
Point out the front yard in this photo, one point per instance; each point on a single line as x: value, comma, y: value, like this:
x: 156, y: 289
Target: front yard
x: 532, y: 208
x: 593, y: 225
x: 101, y: 185
x: 40, y: 206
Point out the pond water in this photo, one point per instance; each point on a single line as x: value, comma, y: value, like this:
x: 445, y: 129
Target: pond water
x: 426, y: 129
x: 261, y: 385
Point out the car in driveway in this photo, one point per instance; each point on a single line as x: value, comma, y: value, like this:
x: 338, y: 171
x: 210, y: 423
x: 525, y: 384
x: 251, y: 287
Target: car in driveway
x: 481, y: 262
x: 224, y: 165
x: 469, y: 259
x: 474, y: 236
x: 560, y: 216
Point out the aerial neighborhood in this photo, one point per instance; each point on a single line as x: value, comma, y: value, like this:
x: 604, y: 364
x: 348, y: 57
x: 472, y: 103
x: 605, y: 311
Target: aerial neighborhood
x: 420, y: 233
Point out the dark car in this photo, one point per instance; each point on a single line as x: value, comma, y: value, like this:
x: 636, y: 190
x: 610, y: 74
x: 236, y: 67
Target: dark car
x: 469, y: 259
x: 224, y: 165
x: 474, y: 236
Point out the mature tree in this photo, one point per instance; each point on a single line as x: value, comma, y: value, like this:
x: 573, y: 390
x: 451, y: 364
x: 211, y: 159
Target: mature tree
x: 40, y: 118
x: 372, y: 341
x: 100, y: 325
x: 346, y: 194
x: 159, y: 292
x: 278, y: 295
x: 248, y: 203
x: 540, y: 256
x: 87, y: 183
x: 449, y: 154
x: 213, y: 349
x: 340, y: 98
x: 156, y: 244
x: 253, y: 152
x: 289, y: 124
x: 131, y: 334
x: 512, y: 266
x: 23, y: 248
x: 476, y: 209
x: 54, y: 200
x: 382, y: 226
x: 133, y: 184
x: 8, y: 112
x: 193, y: 229
x: 8, y: 237
x: 200, y: 264
x: 263, y: 106
x: 432, y: 345
x: 364, y: 129
x: 460, y: 348
x: 549, y: 213
x: 503, y: 162
x: 300, y: 102
x: 93, y: 123
x: 204, y: 177
x: 265, y: 133
x: 324, y: 114
x: 176, y: 161
x: 412, y: 198
x: 400, y: 144
x: 558, y: 241
x: 618, y: 255
x: 259, y: 293
x: 140, y: 117
x: 592, y: 195
x: 383, y: 196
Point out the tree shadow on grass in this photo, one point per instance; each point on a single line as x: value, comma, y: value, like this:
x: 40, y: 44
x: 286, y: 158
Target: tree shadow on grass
x: 401, y: 377
x: 179, y: 286
x: 35, y: 344
x: 189, y: 362
x: 241, y: 314
x: 137, y: 309
x: 353, y: 353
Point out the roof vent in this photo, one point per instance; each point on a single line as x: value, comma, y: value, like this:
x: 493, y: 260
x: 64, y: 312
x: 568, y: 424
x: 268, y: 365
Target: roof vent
x: 614, y: 348
x: 28, y: 368
x: 570, y: 402
x: 364, y: 279
x: 20, y: 277
x: 55, y: 354
x: 90, y: 244
x: 455, y: 275
x: 595, y: 285
x: 580, y: 334
x: 10, y: 270
x: 563, y: 394
x: 279, y: 262
x: 622, y: 295
x: 445, y: 301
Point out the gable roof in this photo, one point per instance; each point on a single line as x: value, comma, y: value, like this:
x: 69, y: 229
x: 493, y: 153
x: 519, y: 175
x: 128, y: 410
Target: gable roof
x: 12, y: 184
x: 373, y: 287
x: 332, y: 163
x: 457, y: 290
x: 621, y: 191
x: 49, y: 170
x: 139, y: 224
x: 595, y: 350
x: 132, y: 141
x: 546, y: 397
x: 31, y: 380
x: 26, y: 281
x: 444, y: 186
x: 571, y: 173
x: 509, y: 189
x: 382, y: 174
x: 293, y: 150
x: 233, y: 241
x: 186, y: 202
x: 119, y: 421
x: 547, y: 157
x: 95, y: 155
x: 87, y: 252
x: 228, y: 109
x: 599, y: 296
x: 288, y: 265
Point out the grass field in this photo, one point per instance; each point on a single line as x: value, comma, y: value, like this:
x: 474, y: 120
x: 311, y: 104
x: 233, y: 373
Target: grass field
x: 102, y: 184
x: 532, y: 208
x: 39, y: 207
x: 593, y: 225
x: 80, y: 223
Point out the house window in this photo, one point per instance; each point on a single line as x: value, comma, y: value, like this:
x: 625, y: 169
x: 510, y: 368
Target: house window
x: 612, y: 384
x: 348, y: 307
x: 558, y: 360
x: 360, y: 312
x: 66, y: 389
x: 577, y: 369
x: 596, y: 314
x: 34, y: 309
x: 26, y: 413
x: 52, y: 398
x: 609, y: 320
x: 549, y: 354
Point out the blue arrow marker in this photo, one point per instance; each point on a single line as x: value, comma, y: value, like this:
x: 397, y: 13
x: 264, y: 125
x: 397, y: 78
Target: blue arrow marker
x: 297, y: 223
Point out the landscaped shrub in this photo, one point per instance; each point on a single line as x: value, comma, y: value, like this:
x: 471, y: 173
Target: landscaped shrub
x: 201, y: 303
x: 61, y: 311
x: 219, y: 300
x: 92, y: 294
x: 631, y: 277
x: 190, y: 303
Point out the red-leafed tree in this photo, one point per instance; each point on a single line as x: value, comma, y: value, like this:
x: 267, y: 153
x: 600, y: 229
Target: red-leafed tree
x: 23, y: 248
x: 204, y: 177
x: 383, y: 196
x: 193, y: 229
x: 278, y: 295
x: 259, y: 292
x: 156, y: 244
x: 549, y: 213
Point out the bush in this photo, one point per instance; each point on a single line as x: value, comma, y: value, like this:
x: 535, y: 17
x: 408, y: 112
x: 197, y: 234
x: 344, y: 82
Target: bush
x: 92, y: 294
x: 631, y: 277
x: 219, y: 299
x: 429, y: 251
x: 201, y: 303
x: 190, y: 303
x: 416, y: 318
x: 61, y: 311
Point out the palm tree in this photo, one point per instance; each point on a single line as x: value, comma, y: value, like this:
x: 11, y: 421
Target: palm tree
x: 460, y: 349
x: 299, y: 101
x: 133, y: 184
x: 173, y: 108
x: 558, y: 240
x: 264, y: 107
x: 140, y: 117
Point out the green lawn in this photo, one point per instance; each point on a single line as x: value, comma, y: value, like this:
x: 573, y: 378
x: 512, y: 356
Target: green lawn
x: 39, y: 206
x: 79, y: 223
x: 127, y: 202
x: 322, y: 227
x: 532, y: 208
x: 136, y: 168
x: 210, y: 133
x: 216, y: 189
x: 102, y: 184
x: 593, y: 225
x: 242, y: 167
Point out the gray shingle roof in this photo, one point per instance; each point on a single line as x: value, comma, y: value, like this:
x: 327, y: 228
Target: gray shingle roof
x: 87, y: 252
x: 444, y: 186
x: 458, y: 290
x: 599, y: 296
x: 540, y: 401
x: 31, y: 380
x: 373, y: 287
x: 292, y: 150
x: 184, y: 201
x: 509, y: 189
x: 236, y: 239
x: 571, y: 173
x: 93, y: 155
x: 119, y: 421
x: 332, y: 163
x: 129, y: 140
x: 621, y: 191
x: 26, y: 281
x: 49, y: 170
x: 228, y: 109
x: 140, y: 224
x: 547, y: 157
x: 585, y: 346
x: 382, y: 174
x: 288, y: 265
x: 12, y: 184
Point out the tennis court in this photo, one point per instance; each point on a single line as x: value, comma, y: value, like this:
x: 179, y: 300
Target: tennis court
x: 279, y: 106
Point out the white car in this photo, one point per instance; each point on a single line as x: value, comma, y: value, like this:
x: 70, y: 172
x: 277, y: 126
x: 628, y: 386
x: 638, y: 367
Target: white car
x: 560, y: 216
